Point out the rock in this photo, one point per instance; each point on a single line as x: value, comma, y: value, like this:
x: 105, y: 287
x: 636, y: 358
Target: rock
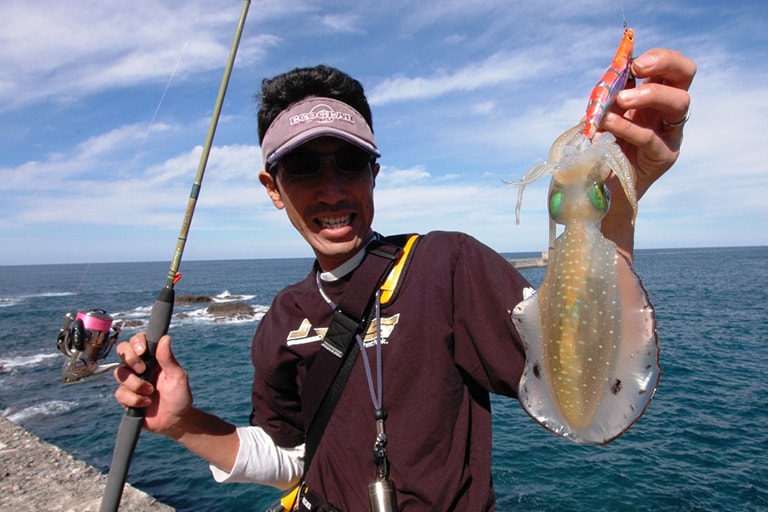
x: 193, y: 299
x: 129, y: 324
x: 231, y: 310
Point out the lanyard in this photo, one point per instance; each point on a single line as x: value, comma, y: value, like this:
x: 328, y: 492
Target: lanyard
x: 376, y: 389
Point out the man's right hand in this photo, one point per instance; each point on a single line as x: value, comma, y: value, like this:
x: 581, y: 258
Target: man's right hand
x: 168, y: 400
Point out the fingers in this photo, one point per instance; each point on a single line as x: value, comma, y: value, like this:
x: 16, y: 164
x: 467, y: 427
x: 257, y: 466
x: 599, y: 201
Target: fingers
x: 164, y: 356
x: 668, y: 67
x: 661, y: 102
x: 130, y: 352
x: 650, y: 153
x: 628, y: 130
x: 135, y: 391
x: 671, y: 103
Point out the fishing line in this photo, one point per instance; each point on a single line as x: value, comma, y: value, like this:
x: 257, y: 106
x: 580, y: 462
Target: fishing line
x: 80, y: 286
x: 624, y: 15
x: 162, y: 99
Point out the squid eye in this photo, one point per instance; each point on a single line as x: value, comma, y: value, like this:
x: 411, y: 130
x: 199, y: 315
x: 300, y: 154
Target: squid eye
x: 599, y: 197
x: 555, y: 203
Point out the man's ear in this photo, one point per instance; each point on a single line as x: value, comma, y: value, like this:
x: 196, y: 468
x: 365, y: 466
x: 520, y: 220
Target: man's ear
x: 273, y: 192
x: 375, y: 168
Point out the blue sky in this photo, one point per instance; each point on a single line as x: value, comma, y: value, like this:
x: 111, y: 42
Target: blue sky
x: 104, y: 108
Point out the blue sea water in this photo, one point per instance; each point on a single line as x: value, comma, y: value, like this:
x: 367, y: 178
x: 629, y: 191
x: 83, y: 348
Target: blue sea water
x: 701, y: 446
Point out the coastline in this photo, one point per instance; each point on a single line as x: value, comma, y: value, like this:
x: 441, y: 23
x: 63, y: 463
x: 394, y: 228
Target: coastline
x: 38, y: 476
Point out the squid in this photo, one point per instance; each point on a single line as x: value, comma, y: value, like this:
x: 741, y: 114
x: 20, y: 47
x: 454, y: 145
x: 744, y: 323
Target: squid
x: 592, y: 356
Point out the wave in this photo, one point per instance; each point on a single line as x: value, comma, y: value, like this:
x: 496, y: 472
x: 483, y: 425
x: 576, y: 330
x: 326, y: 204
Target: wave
x: 31, y: 361
x: 225, y: 296
x: 50, y: 408
x: 13, y: 301
x: 50, y: 294
x: 8, y: 301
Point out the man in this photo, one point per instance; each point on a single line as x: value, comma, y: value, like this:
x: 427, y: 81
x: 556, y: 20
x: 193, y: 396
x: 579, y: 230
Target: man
x: 440, y: 344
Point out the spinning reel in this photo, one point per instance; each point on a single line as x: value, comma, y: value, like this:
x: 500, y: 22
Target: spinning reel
x: 85, y: 339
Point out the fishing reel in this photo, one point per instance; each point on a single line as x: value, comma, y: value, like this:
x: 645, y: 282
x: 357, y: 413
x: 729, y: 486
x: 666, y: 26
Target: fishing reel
x: 86, y: 338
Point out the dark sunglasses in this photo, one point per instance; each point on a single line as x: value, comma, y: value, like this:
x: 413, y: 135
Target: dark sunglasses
x: 303, y: 163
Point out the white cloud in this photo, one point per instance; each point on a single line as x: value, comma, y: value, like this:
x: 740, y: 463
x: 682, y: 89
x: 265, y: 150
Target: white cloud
x: 496, y: 69
x: 345, y: 22
x: 392, y: 177
x: 63, y: 51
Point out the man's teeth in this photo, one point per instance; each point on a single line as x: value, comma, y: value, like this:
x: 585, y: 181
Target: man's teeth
x: 334, y: 222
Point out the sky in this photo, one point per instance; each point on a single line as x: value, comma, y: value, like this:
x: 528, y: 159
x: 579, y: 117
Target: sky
x: 105, y: 107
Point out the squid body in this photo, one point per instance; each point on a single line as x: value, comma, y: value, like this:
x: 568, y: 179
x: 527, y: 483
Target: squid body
x: 590, y: 330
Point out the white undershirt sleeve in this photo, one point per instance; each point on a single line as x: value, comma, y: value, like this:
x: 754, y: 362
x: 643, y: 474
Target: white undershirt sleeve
x: 260, y: 461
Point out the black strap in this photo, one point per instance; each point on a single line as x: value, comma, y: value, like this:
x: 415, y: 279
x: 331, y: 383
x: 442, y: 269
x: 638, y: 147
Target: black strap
x: 332, y: 365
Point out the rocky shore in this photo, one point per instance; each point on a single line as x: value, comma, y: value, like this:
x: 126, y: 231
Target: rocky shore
x: 36, y: 476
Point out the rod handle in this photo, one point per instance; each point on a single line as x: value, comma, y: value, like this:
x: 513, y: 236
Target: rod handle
x: 159, y: 322
x: 127, y: 437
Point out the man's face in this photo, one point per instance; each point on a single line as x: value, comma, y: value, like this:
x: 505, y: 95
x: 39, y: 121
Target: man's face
x: 332, y: 210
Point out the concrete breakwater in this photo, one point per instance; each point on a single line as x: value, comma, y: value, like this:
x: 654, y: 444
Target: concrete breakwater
x: 521, y: 263
x: 37, y: 476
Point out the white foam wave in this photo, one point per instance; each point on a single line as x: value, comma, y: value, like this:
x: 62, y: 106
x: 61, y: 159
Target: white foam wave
x: 51, y: 294
x: 138, y: 312
x: 30, y: 361
x: 225, y: 296
x: 50, y: 408
x: 12, y: 301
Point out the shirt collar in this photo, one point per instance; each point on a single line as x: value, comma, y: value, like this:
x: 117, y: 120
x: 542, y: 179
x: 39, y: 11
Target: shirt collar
x: 349, y: 265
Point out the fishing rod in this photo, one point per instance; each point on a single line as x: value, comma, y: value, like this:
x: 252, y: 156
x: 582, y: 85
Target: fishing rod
x: 160, y: 317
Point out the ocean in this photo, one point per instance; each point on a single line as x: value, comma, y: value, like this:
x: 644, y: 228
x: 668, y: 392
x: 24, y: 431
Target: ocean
x: 701, y: 446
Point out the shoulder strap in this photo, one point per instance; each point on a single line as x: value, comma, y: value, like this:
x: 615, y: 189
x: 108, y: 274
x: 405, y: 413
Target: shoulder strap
x: 391, y: 286
x: 330, y: 370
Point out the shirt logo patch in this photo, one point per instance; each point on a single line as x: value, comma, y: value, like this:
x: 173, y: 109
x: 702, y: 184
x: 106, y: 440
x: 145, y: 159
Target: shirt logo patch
x: 305, y: 333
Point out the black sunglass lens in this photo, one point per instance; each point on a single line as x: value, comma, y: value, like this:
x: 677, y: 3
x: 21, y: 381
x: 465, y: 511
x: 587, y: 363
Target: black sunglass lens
x: 352, y: 159
x: 301, y: 163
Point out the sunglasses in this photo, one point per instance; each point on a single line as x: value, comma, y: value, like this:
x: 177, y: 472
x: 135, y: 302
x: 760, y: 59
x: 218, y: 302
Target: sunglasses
x: 303, y: 163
